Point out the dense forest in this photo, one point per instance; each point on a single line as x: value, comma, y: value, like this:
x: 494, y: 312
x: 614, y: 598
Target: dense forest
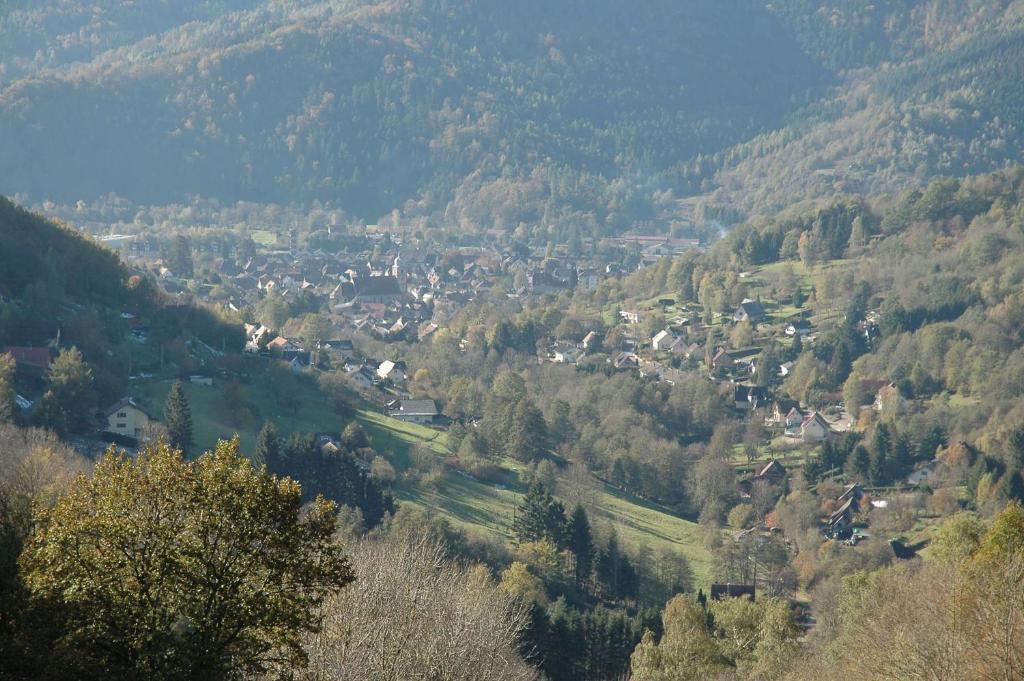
x: 374, y: 105
x: 479, y: 115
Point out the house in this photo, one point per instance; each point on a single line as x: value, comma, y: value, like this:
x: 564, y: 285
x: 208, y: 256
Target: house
x: 566, y: 354
x: 772, y: 472
x: 794, y: 418
x: 591, y: 341
x: 391, y: 371
x: 329, y: 442
x: 852, y: 491
x: 722, y: 359
x: 284, y: 348
x: 798, y: 328
x: 720, y: 591
x: 751, y: 396
x: 344, y: 348
x: 426, y: 332
x: 589, y: 279
x: 415, y: 411
x: 126, y: 418
x: 922, y: 474
x: 840, y: 522
x: 814, y: 428
x: 687, y: 351
x: 626, y: 360
x: 783, y: 412
x: 748, y: 311
x: 360, y: 375
x: 301, y: 361
x: 662, y: 340
x: 889, y: 398
x: 31, y: 362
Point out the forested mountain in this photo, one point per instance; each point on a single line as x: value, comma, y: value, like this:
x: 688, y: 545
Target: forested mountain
x: 486, y: 114
x: 849, y: 35
x: 374, y: 104
x: 951, y: 112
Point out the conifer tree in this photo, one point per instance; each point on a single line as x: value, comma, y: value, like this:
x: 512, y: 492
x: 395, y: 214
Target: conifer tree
x: 69, y: 401
x: 581, y: 543
x: 540, y: 517
x: 178, y: 417
x: 268, y: 447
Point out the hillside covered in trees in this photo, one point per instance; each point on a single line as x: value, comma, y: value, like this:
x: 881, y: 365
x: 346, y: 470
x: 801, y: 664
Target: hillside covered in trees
x: 480, y: 115
x: 376, y: 104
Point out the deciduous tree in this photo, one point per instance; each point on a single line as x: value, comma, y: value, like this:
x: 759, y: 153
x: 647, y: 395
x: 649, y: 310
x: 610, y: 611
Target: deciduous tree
x: 162, y: 568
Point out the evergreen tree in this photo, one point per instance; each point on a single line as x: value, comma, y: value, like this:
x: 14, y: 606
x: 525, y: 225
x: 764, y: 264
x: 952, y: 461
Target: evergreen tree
x: 301, y: 457
x: 539, y: 517
x: 813, y: 469
x: 830, y: 457
x: 268, y: 447
x: 931, y: 441
x: 857, y: 462
x: 581, y: 544
x: 178, y: 417
x: 878, y: 467
x: 881, y: 439
x: 901, y: 457
x: 611, y: 567
x: 1012, y: 486
x: 768, y: 366
x: 70, y: 398
x: 797, y: 347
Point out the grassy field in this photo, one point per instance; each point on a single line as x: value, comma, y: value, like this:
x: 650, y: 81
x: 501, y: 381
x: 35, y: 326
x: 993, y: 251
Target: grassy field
x: 212, y: 416
x: 473, y: 505
x: 264, y: 237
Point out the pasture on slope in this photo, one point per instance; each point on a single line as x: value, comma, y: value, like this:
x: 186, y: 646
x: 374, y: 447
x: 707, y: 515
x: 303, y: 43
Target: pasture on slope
x: 471, y: 504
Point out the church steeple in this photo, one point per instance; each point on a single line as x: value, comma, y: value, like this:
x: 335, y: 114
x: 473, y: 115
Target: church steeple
x: 396, y: 269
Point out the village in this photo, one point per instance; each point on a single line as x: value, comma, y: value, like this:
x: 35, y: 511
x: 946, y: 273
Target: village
x: 370, y: 305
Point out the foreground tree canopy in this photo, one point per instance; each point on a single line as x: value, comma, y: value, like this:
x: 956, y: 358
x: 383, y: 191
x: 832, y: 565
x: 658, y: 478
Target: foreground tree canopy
x: 159, y: 568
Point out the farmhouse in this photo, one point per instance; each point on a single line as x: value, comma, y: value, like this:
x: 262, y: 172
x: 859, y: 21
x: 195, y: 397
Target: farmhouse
x: 415, y: 411
x: 814, y: 428
x: 126, y: 418
x: 748, y: 311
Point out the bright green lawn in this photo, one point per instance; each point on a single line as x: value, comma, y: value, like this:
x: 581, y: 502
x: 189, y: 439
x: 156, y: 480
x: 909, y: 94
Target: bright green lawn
x: 212, y: 416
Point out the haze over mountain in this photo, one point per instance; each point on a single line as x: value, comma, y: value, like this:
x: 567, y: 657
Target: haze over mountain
x: 514, y: 112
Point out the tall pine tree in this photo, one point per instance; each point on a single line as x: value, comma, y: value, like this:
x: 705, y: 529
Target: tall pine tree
x: 178, y: 417
x: 540, y: 517
x: 581, y: 544
x: 268, y: 447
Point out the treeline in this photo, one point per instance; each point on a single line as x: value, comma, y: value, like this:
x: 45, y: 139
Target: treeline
x: 576, y: 583
x: 338, y: 472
